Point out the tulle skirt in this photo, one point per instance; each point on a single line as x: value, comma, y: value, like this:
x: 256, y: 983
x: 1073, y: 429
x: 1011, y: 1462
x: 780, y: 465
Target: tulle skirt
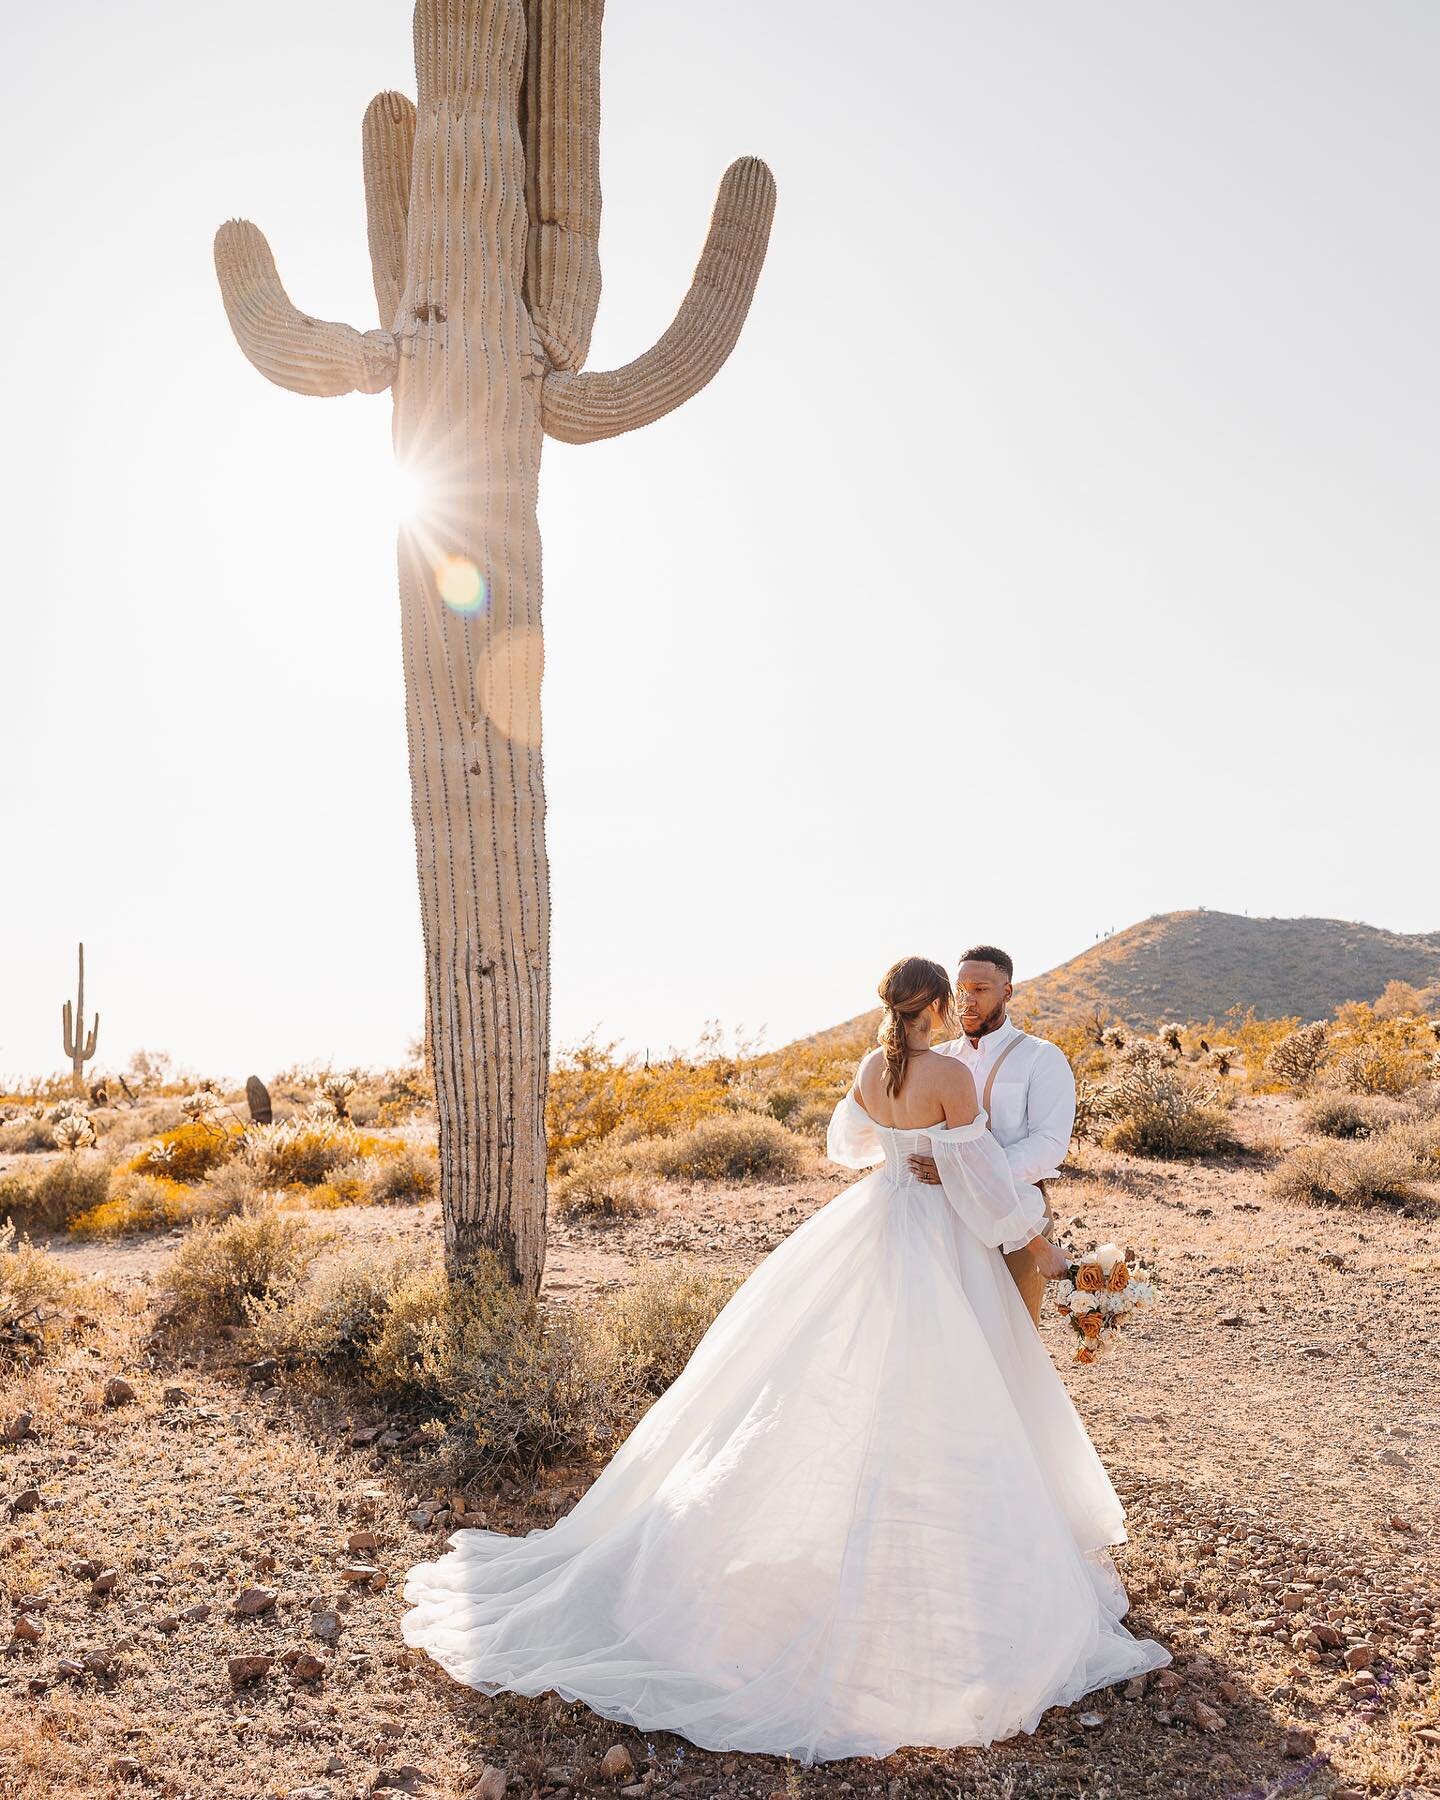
x: 865, y: 1515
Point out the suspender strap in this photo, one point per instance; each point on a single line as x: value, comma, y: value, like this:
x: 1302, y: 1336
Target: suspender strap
x: 995, y: 1070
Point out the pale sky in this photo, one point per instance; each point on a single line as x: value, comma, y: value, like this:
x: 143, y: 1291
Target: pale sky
x: 1058, y: 547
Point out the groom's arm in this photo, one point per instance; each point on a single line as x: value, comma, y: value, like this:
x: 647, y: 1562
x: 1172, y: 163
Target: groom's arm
x: 1050, y: 1115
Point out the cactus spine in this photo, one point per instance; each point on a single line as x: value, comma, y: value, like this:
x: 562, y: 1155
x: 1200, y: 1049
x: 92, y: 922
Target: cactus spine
x: 78, y: 1047
x: 483, y: 210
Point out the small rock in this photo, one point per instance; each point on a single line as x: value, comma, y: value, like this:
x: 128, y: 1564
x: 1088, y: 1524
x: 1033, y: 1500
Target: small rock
x: 404, y: 1778
x: 1092, y: 1721
x: 262, y: 1371
x: 1206, y: 1717
x: 255, y: 1600
x: 1359, y: 1656
x: 25, y: 1501
x: 318, y: 1790
x: 1329, y: 1636
x: 358, y: 1572
x: 1135, y: 1688
x: 1229, y: 1691
x: 118, y: 1391
x: 326, y: 1626
x: 69, y: 1668
x: 248, y: 1668
x: 193, y: 1615
x: 169, y: 1624
x: 364, y: 1434
x: 359, y: 1541
x: 104, y: 1581
x: 304, y: 1665
x: 1230, y: 1318
x: 28, y: 1630
x: 1298, y: 1741
x: 1168, y: 1680
x: 17, y: 1430
x: 125, y: 1768
x: 98, y: 1662
x: 423, y: 1516
x: 1397, y: 1523
x: 617, y: 1763
x: 176, y: 1396
x: 491, y: 1785
x: 37, y: 1684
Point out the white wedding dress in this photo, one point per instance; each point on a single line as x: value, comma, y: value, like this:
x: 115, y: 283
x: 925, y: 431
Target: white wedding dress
x: 866, y: 1514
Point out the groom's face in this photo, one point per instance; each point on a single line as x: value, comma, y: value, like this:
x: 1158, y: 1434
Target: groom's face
x: 981, y: 994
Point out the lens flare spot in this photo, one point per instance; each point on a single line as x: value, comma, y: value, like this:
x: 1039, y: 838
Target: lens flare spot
x: 409, y: 492
x: 461, y: 585
x: 507, y: 684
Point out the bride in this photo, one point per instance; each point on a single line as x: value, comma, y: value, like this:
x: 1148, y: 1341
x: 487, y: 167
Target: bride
x: 866, y: 1514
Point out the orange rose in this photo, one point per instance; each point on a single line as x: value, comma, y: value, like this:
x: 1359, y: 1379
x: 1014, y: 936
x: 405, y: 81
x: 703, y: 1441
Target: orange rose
x: 1090, y: 1326
x: 1119, y: 1279
x: 1082, y: 1355
x: 1090, y: 1278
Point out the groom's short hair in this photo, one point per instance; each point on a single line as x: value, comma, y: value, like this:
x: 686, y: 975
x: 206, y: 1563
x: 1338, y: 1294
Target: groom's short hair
x: 989, y: 953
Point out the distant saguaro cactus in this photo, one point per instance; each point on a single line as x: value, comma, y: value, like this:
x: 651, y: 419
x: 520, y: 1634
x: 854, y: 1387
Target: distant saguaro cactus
x: 483, y: 209
x: 78, y: 1047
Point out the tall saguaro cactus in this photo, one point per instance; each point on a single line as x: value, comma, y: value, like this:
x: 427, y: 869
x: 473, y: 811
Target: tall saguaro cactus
x: 483, y: 206
x: 78, y: 1047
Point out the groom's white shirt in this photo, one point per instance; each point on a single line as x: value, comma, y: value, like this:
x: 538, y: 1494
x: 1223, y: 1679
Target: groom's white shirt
x: 1032, y: 1107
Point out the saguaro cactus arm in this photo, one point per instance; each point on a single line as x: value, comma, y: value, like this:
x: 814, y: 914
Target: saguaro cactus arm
x: 561, y: 122
x: 387, y: 139
x: 580, y: 408
x: 308, y: 356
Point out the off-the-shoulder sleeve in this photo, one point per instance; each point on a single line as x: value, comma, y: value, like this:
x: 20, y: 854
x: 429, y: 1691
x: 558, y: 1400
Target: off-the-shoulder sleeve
x: 852, y: 1139
x: 977, y: 1181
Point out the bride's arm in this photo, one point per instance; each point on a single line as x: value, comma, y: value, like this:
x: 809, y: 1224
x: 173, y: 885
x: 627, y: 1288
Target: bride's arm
x: 852, y: 1140
x: 976, y: 1178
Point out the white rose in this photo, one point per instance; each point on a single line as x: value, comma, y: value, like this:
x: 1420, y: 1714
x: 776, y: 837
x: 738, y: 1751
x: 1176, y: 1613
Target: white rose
x: 1063, y: 1290
x: 1107, y: 1256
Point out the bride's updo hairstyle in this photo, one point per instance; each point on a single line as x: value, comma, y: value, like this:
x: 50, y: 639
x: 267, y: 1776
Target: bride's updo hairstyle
x: 910, y: 985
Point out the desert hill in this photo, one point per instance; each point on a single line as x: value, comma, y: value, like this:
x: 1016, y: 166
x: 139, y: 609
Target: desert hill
x: 1197, y: 965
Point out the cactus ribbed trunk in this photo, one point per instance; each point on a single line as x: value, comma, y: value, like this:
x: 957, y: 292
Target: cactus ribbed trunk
x: 467, y: 415
x: 483, y: 211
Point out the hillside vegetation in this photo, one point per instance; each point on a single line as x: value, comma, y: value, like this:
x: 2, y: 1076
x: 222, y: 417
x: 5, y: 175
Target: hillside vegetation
x: 1201, y: 965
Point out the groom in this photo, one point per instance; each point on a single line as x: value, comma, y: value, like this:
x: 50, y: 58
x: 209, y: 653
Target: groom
x: 1025, y: 1086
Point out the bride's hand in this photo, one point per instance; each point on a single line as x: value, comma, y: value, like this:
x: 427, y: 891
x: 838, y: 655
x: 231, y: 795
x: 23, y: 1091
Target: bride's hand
x: 1053, y: 1264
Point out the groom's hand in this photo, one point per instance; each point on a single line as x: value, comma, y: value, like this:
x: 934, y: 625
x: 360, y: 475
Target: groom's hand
x: 924, y: 1168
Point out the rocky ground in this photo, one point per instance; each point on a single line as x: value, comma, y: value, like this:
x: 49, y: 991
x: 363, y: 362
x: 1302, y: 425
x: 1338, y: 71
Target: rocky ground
x: 203, y: 1571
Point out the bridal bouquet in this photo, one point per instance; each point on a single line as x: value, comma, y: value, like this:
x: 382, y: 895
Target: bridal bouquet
x: 1103, y: 1292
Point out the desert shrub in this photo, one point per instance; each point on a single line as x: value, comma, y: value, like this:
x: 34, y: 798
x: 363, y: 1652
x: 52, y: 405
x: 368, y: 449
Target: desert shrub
x: 602, y: 1181
x: 592, y: 1089
x: 31, y: 1132
x: 221, y: 1266
x: 518, y: 1384
x: 1296, y: 1059
x: 137, y: 1202
x: 56, y: 1194
x: 401, y: 1093
x: 31, y: 1282
x: 334, y: 1319
x: 1361, y: 1172
x: 190, y: 1151
x: 1094, y: 1108
x: 300, y: 1152
x: 732, y: 1147
x: 406, y: 1176
x: 1159, y: 1110
x: 1374, y: 1055
x: 811, y: 1119
x: 1337, y: 1114
x: 656, y: 1322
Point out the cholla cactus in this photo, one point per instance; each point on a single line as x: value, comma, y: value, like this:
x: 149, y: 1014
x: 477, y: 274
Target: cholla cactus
x: 1112, y: 1038
x: 78, y: 1047
x: 74, y: 1132
x: 200, y: 1104
x: 1296, y: 1059
x: 65, y: 1109
x: 1093, y: 1108
x: 336, y: 1090
x: 483, y: 204
x: 1220, y: 1059
x: 1170, y: 1037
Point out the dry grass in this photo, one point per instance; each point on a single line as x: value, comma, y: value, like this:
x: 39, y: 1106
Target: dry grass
x: 1360, y: 1172
x: 732, y: 1147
